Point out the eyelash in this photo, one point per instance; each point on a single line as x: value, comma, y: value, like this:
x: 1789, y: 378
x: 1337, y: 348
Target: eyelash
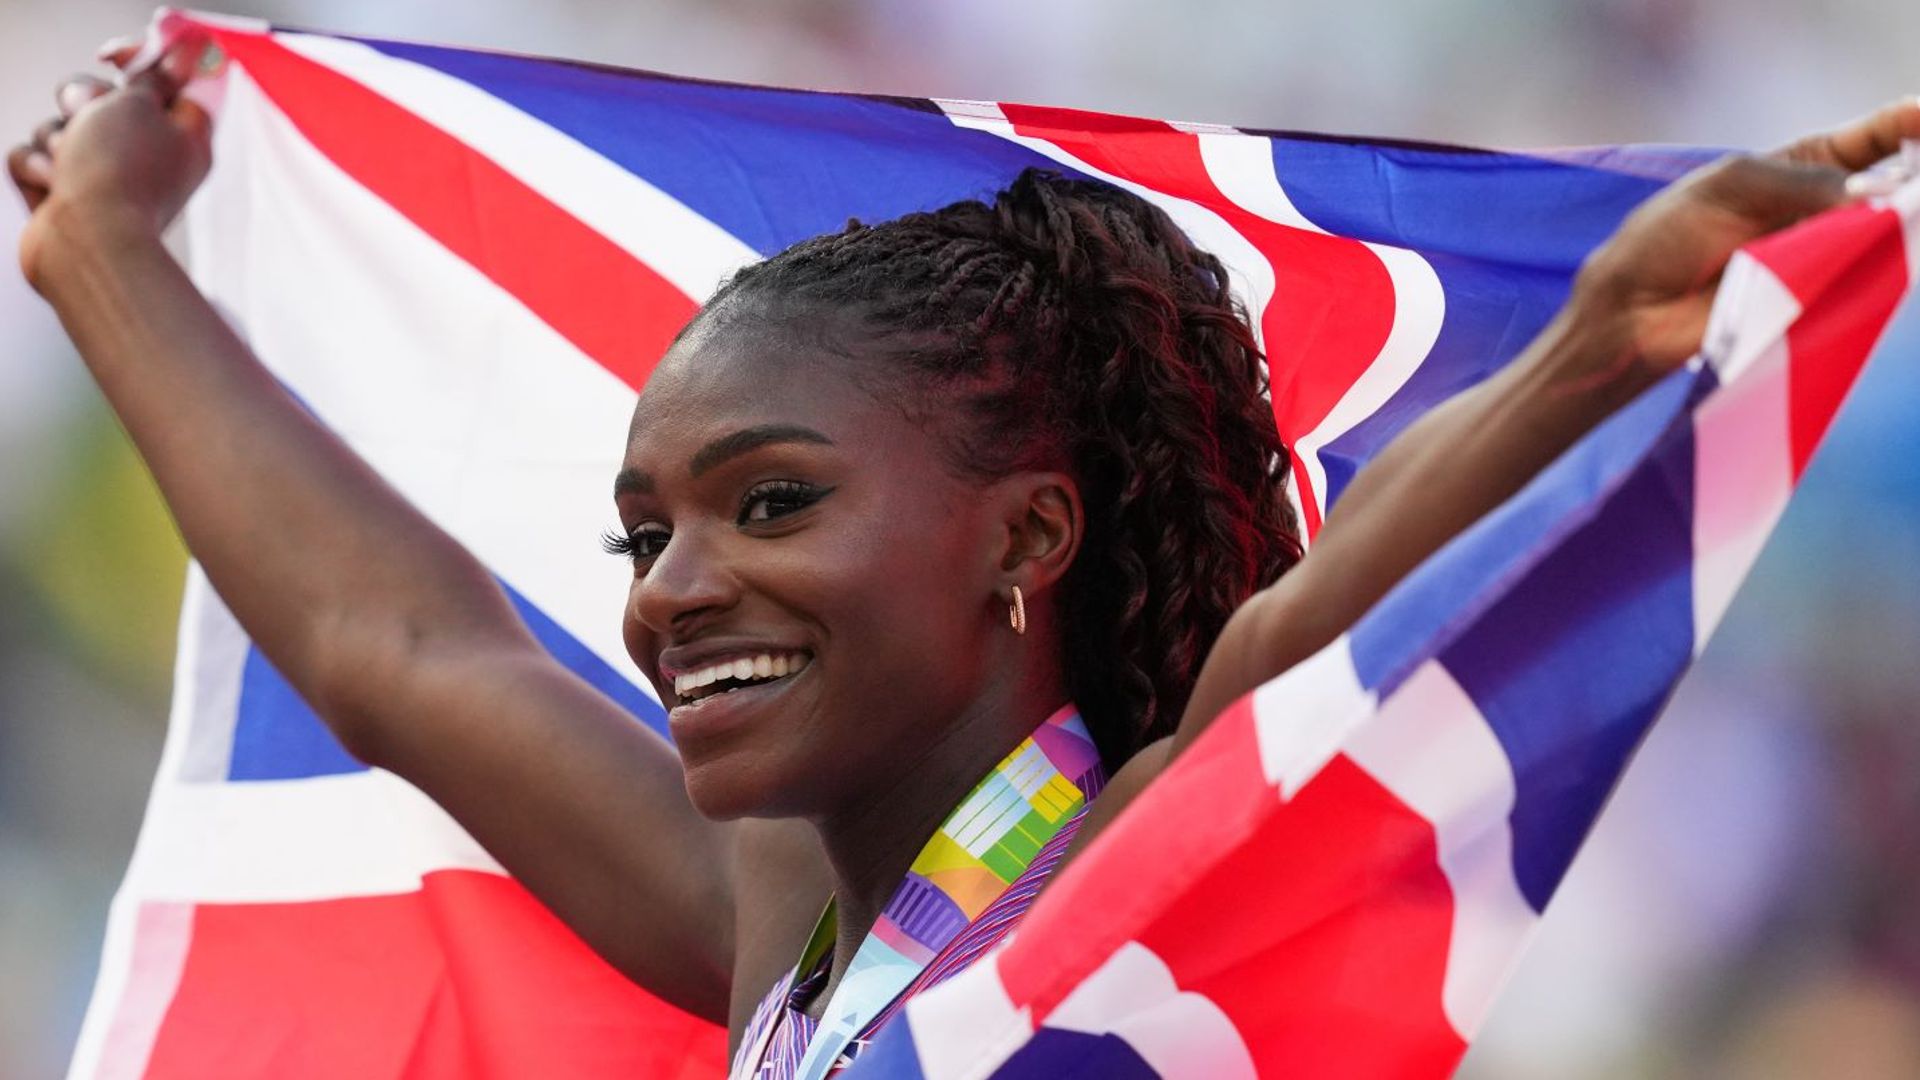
x: 793, y: 494
x: 625, y: 545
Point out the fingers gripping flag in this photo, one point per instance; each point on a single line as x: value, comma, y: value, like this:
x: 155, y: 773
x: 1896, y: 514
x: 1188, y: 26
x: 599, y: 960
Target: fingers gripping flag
x: 467, y: 263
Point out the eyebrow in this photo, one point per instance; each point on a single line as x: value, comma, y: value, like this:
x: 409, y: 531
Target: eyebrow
x: 727, y: 447
x: 722, y: 450
x: 632, y: 481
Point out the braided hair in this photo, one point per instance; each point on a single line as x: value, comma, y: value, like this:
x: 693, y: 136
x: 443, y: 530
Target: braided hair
x: 1070, y: 324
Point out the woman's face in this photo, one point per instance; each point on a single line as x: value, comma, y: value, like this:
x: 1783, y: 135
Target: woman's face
x: 814, y: 592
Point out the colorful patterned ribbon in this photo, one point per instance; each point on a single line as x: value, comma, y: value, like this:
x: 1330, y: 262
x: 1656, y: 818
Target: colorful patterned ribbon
x: 982, y: 847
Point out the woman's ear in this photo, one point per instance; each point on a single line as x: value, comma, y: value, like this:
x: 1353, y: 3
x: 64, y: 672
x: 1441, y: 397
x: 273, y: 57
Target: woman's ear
x: 1044, y: 522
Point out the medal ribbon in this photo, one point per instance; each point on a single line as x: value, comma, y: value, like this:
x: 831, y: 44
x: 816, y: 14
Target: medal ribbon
x: 982, y: 847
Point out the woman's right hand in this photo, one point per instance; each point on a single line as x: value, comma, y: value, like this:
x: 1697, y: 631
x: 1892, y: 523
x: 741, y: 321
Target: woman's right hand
x: 401, y: 640
x: 113, y: 159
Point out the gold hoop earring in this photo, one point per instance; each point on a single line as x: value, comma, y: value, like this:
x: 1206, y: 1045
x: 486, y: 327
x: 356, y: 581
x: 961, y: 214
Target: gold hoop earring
x: 1017, y: 612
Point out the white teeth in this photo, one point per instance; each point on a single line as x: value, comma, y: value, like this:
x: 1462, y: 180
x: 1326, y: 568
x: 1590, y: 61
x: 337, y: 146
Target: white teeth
x: 762, y: 666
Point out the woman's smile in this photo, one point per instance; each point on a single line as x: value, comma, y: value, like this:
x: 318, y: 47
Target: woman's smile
x: 718, y: 677
x: 725, y: 702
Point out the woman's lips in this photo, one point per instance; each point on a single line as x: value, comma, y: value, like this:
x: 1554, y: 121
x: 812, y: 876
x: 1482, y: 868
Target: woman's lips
x: 716, y: 712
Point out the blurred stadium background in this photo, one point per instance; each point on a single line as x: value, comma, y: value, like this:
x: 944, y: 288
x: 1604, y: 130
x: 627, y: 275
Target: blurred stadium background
x: 1750, y: 906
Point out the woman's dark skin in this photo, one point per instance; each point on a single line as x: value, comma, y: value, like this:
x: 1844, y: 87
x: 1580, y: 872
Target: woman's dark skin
x: 777, y: 507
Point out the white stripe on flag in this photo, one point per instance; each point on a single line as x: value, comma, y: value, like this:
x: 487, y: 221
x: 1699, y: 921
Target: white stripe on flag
x: 1742, y: 478
x: 213, y: 643
x: 1302, y: 717
x: 1743, y: 464
x: 1243, y: 167
x: 163, y: 935
x: 1906, y: 202
x: 1429, y: 745
x: 496, y: 427
x: 117, y: 981
x: 1252, y: 275
x: 1752, y: 310
x: 1181, y: 1035
x: 680, y: 245
x: 969, y: 1027
x: 321, y: 838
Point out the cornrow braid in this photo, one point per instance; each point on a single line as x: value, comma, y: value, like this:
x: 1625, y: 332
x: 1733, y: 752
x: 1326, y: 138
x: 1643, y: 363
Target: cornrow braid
x: 1074, y: 324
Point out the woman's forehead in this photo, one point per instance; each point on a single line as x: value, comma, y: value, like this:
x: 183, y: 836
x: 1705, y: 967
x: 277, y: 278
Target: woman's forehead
x: 711, y: 384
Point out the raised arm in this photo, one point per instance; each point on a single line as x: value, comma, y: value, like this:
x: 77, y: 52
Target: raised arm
x: 1637, y: 311
x: 397, y: 636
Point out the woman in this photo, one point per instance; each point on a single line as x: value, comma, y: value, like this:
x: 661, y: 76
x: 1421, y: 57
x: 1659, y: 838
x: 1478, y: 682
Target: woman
x: 911, y: 509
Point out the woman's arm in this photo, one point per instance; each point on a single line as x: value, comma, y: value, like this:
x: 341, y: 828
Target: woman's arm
x: 397, y: 636
x: 1638, y: 310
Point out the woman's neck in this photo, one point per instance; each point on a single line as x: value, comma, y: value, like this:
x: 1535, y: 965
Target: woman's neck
x: 873, y: 843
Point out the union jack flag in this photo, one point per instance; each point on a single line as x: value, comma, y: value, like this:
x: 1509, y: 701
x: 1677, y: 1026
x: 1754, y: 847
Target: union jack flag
x: 466, y: 263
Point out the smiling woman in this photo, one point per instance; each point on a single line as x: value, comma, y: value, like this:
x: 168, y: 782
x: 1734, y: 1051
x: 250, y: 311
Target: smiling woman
x: 974, y: 501
x: 992, y: 384
x: 849, y: 465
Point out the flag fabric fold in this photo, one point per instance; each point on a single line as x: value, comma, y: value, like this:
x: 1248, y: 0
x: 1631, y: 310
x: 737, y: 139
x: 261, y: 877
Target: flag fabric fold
x: 466, y: 263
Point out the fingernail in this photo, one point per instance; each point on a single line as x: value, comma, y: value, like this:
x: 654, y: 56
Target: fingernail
x: 39, y: 168
x: 116, y: 45
x: 72, y: 97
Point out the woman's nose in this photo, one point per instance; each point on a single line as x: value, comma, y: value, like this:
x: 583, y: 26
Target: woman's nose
x: 686, y: 581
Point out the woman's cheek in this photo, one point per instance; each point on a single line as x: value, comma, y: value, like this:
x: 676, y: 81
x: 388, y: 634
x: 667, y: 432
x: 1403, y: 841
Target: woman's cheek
x: 633, y: 632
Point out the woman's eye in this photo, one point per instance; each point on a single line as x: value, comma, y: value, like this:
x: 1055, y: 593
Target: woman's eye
x: 642, y: 544
x: 778, y: 498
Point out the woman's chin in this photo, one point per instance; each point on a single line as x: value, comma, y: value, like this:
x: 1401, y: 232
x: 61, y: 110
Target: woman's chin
x: 726, y: 789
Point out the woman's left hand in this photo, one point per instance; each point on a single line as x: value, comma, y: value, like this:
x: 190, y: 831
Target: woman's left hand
x: 1638, y: 310
x: 115, y: 161
x: 1655, y: 278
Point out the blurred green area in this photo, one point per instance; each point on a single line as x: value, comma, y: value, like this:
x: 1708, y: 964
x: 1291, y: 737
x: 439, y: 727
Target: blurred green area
x: 102, y: 560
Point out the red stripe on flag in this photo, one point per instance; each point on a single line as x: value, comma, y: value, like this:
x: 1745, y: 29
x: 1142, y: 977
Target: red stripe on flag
x: 1848, y: 269
x: 1351, y: 903
x: 470, y: 976
x: 1333, y: 301
x: 594, y: 293
x: 1354, y: 908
